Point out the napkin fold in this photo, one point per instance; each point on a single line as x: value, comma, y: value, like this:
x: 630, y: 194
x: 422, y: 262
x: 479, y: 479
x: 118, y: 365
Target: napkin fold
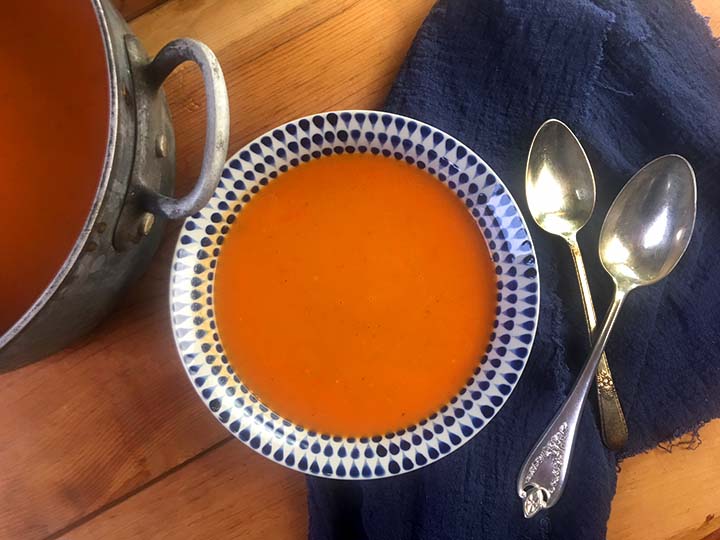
x: 634, y: 80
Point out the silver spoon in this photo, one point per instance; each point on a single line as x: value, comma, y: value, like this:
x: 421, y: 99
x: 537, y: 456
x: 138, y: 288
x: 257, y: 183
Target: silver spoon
x: 560, y: 190
x: 645, y: 233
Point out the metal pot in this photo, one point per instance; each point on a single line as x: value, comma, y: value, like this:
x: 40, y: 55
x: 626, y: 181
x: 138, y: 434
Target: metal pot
x: 133, y: 197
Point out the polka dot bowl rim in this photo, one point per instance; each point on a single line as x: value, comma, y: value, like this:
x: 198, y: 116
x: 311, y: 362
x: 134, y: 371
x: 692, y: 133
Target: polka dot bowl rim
x: 486, y: 390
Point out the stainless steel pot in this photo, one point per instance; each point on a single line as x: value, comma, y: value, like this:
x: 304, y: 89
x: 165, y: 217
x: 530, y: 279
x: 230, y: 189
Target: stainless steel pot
x: 134, y: 193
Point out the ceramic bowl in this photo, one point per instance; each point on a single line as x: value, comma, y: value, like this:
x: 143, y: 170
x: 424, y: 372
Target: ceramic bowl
x: 200, y: 345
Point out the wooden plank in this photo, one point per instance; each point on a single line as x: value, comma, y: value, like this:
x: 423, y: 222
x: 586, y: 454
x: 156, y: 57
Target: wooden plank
x: 669, y: 495
x: 660, y: 495
x: 134, y: 8
x: 230, y: 493
x: 86, y: 426
x: 711, y: 10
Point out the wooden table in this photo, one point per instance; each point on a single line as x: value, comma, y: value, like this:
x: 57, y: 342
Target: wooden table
x: 108, y: 440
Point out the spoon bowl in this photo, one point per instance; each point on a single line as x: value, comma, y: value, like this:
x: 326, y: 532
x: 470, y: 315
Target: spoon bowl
x: 559, y: 180
x: 648, y: 226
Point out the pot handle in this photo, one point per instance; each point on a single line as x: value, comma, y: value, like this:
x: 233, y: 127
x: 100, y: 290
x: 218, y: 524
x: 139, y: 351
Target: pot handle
x: 217, y: 131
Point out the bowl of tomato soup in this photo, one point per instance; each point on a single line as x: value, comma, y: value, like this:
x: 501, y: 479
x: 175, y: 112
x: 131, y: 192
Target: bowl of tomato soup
x: 358, y: 298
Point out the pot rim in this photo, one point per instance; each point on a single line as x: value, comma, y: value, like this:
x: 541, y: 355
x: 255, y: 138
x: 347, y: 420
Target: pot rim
x: 99, y: 197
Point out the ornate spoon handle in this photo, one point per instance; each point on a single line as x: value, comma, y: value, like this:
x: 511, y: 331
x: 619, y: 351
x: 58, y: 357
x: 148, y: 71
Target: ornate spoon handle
x: 542, y: 477
x: 613, y: 426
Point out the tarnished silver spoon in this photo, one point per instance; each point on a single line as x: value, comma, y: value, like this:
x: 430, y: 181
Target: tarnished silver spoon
x: 560, y: 190
x: 645, y: 233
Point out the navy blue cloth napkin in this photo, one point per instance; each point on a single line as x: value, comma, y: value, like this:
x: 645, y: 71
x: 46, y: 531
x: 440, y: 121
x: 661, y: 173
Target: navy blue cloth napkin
x: 635, y: 80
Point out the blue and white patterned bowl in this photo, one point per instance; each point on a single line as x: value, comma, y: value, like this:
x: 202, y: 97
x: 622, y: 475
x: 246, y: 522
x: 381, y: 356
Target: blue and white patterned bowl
x: 487, y: 389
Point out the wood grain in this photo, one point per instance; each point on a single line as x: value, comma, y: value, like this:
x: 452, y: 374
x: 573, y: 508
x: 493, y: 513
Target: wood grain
x: 87, y: 425
x: 669, y: 495
x: 230, y: 493
x: 101, y: 440
x: 134, y: 8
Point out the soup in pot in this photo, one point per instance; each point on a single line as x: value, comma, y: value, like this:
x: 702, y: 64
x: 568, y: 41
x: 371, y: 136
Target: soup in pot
x: 54, y: 110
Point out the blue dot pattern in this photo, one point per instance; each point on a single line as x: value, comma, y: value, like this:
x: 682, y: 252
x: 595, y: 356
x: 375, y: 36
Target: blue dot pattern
x: 499, y: 368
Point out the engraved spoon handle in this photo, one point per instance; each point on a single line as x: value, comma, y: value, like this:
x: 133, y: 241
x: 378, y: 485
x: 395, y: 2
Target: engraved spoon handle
x: 542, y: 476
x: 613, y: 426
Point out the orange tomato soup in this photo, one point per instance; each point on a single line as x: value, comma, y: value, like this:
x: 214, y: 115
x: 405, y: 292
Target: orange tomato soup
x: 54, y: 108
x: 355, y: 295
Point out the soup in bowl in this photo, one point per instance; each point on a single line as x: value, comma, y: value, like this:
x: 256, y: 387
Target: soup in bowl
x: 358, y: 298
